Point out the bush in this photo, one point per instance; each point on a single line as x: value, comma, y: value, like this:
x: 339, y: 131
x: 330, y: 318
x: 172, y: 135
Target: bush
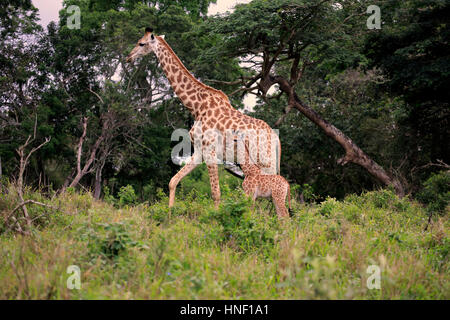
x: 116, y: 241
x: 380, y: 199
x: 241, y: 229
x: 308, y: 193
x: 108, y: 197
x: 107, y: 240
x: 327, y: 206
x: 436, y: 192
x: 127, y: 196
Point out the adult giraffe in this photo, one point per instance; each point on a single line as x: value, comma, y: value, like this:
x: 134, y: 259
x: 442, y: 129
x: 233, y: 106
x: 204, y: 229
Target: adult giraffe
x: 213, y: 113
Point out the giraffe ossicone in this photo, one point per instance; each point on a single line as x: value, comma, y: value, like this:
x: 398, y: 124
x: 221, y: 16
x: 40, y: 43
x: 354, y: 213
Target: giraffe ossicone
x: 212, y: 111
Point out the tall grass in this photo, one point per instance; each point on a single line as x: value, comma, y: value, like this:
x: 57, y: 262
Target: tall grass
x: 144, y: 251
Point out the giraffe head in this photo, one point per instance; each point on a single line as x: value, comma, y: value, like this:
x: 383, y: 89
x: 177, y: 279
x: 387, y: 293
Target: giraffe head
x: 144, y: 46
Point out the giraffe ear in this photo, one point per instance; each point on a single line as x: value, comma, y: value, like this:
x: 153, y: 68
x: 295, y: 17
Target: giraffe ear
x: 162, y: 36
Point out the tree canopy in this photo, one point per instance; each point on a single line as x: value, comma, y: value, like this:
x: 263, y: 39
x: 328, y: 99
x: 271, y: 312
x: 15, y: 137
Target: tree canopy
x: 340, y: 93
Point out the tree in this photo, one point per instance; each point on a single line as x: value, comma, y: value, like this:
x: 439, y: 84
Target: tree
x: 412, y: 49
x: 101, y: 87
x: 21, y: 82
x: 280, y: 41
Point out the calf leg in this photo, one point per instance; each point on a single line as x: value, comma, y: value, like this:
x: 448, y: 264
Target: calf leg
x: 279, y: 202
x: 249, y: 191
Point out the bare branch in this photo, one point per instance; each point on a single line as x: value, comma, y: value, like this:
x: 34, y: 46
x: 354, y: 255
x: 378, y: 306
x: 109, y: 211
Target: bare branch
x: 280, y: 120
x: 25, y: 203
x: 228, y: 83
x: 439, y: 164
x: 96, y: 94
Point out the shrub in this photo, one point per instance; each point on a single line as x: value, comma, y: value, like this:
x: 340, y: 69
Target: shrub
x: 159, y: 211
x: 383, y: 199
x: 108, y: 197
x: 436, y: 192
x: 327, y: 206
x: 127, y: 196
x: 241, y: 229
x: 106, y: 240
x: 116, y: 241
x: 308, y: 193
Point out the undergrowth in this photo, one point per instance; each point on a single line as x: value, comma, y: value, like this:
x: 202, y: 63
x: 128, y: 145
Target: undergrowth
x: 192, y: 251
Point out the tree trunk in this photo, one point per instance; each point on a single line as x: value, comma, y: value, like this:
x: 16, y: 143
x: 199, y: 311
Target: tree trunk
x: 98, y: 177
x: 98, y: 183
x: 352, y: 152
x: 81, y: 172
x: 1, y: 176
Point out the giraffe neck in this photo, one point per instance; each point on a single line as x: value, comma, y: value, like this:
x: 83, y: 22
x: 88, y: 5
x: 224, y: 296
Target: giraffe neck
x: 191, y: 91
x: 250, y: 169
x: 248, y: 166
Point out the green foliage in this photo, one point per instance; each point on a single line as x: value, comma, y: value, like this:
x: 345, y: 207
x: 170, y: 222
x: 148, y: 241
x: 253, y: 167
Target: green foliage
x: 241, y: 229
x: 196, y: 252
x: 412, y: 51
x: 345, y: 68
x: 127, y: 196
x: 308, y: 192
x: 108, y: 197
x: 197, y: 180
x: 436, y: 192
x: 197, y: 183
x: 381, y: 199
x: 327, y: 207
x: 116, y: 241
x: 192, y: 251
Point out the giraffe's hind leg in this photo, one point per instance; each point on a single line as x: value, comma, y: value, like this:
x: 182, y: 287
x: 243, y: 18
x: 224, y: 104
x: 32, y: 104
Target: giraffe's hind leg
x: 280, y: 205
x: 188, y: 167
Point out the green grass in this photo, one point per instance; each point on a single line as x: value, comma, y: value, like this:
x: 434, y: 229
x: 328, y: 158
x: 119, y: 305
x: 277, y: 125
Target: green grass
x: 195, y: 252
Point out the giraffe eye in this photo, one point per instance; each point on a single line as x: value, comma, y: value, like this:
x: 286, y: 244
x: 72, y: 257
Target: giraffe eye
x: 141, y: 44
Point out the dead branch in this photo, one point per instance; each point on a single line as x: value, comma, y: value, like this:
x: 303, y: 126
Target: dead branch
x: 96, y: 94
x: 80, y: 144
x: 25, y: 203
x: 281, y: 119
x: 228, y: 83
x: 439, y: 164
x: 24, y: 159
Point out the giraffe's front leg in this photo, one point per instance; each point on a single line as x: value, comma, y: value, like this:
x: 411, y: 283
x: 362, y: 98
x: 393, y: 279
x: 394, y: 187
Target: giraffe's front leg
x: 188, y: 167
x: 210, y: 156
x: 213, y: 172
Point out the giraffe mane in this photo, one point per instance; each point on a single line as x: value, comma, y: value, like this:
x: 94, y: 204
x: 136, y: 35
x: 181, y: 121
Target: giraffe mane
x: 163, y: 41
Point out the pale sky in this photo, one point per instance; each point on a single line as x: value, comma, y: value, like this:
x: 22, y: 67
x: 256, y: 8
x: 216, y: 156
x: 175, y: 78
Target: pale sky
x: 49, y: 11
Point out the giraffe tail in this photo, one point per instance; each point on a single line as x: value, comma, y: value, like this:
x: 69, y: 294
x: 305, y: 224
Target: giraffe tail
x: 279, y: 156
x: 289, y: 200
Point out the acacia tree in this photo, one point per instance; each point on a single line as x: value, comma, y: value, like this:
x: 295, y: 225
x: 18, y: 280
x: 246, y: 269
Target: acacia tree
x: 278, y: 43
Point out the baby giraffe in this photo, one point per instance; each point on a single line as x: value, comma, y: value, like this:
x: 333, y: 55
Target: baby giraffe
x: 257, y: 184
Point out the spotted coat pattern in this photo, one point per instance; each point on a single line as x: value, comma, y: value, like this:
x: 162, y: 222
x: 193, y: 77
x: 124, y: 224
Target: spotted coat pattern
x: 211, y: 109
x: 259, y: 185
